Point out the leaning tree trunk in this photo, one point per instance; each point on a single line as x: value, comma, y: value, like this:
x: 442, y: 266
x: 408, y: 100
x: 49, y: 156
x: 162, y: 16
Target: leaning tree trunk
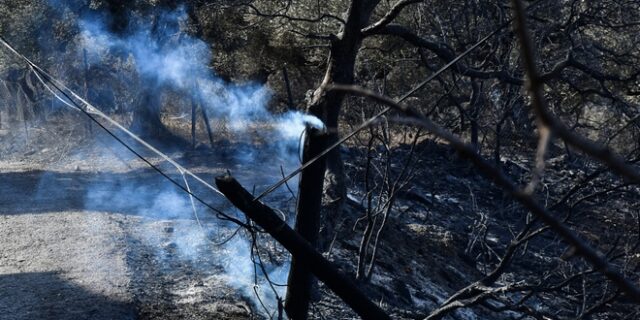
x: 326, y: 106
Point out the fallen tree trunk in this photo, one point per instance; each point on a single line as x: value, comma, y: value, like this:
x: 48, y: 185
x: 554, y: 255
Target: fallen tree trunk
x: 299, y: 248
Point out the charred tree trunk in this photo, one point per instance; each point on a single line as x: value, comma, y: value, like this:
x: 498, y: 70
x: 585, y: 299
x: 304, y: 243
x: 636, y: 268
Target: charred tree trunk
x: 287, y: 85
x: 207, y: 125
x: 474, y: 111
x: 326, y: 105
x: 300, y: 249
x: 335, y: 194
x: 146, y: 117
x: 196, y: 103
x: 300, y: 282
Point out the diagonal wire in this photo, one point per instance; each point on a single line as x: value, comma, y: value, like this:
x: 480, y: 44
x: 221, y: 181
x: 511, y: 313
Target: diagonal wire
x: 193, y: 205
x: 368, y: 122
x: 64, y: 94
x: 92, y: 111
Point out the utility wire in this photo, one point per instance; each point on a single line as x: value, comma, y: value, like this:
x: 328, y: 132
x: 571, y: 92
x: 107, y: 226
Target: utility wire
x: 383, y: 112
x: 89, y: 110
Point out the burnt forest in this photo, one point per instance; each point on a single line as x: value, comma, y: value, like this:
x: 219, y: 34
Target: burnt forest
x: 304, y: 159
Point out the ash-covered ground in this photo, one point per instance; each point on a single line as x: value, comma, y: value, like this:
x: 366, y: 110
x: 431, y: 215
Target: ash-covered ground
x: 91, y: 232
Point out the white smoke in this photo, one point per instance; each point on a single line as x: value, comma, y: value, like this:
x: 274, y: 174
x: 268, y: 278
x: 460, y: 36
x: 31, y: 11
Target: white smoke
x: 165, y: 56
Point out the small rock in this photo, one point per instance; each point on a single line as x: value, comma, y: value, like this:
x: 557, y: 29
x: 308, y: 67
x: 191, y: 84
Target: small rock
x: 170, y: 245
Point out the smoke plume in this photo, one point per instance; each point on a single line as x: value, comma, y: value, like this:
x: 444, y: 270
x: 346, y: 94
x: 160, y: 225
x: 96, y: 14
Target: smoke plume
x: 157, y: 56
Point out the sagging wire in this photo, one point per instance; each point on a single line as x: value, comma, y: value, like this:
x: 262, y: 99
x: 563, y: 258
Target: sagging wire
x: 193, y: 205
x: 64, y: 95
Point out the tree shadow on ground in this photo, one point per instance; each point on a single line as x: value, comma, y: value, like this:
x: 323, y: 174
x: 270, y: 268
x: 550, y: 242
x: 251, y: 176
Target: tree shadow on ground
x: 45, y: 295
x: 132, y: 193
x: 140, y: 192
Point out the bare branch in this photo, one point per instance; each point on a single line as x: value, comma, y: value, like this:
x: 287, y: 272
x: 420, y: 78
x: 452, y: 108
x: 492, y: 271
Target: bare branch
x: 291, y: 18
x: 535, y: 86
x: 446, y: 54
x: 390, y: 16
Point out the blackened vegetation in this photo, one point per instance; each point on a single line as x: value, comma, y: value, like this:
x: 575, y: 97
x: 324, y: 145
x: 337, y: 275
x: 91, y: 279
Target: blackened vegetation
x: 410, y: 208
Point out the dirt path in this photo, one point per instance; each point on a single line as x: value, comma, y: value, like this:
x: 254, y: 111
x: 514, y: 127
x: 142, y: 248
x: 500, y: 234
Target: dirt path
x: 95, y: 237
x: 56, y: 266
x: 59, y: 260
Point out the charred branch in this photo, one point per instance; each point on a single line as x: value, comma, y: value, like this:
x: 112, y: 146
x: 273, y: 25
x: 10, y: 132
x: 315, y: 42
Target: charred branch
x: 300, y: 249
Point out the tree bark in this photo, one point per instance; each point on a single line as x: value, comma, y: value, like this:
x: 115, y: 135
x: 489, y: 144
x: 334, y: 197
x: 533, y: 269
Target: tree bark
x: 207, y: 125
x: 287, y: 85
x: 326, y: 106
x: 301, y: 282
x: 475, y: 104
x: 146, y: 116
